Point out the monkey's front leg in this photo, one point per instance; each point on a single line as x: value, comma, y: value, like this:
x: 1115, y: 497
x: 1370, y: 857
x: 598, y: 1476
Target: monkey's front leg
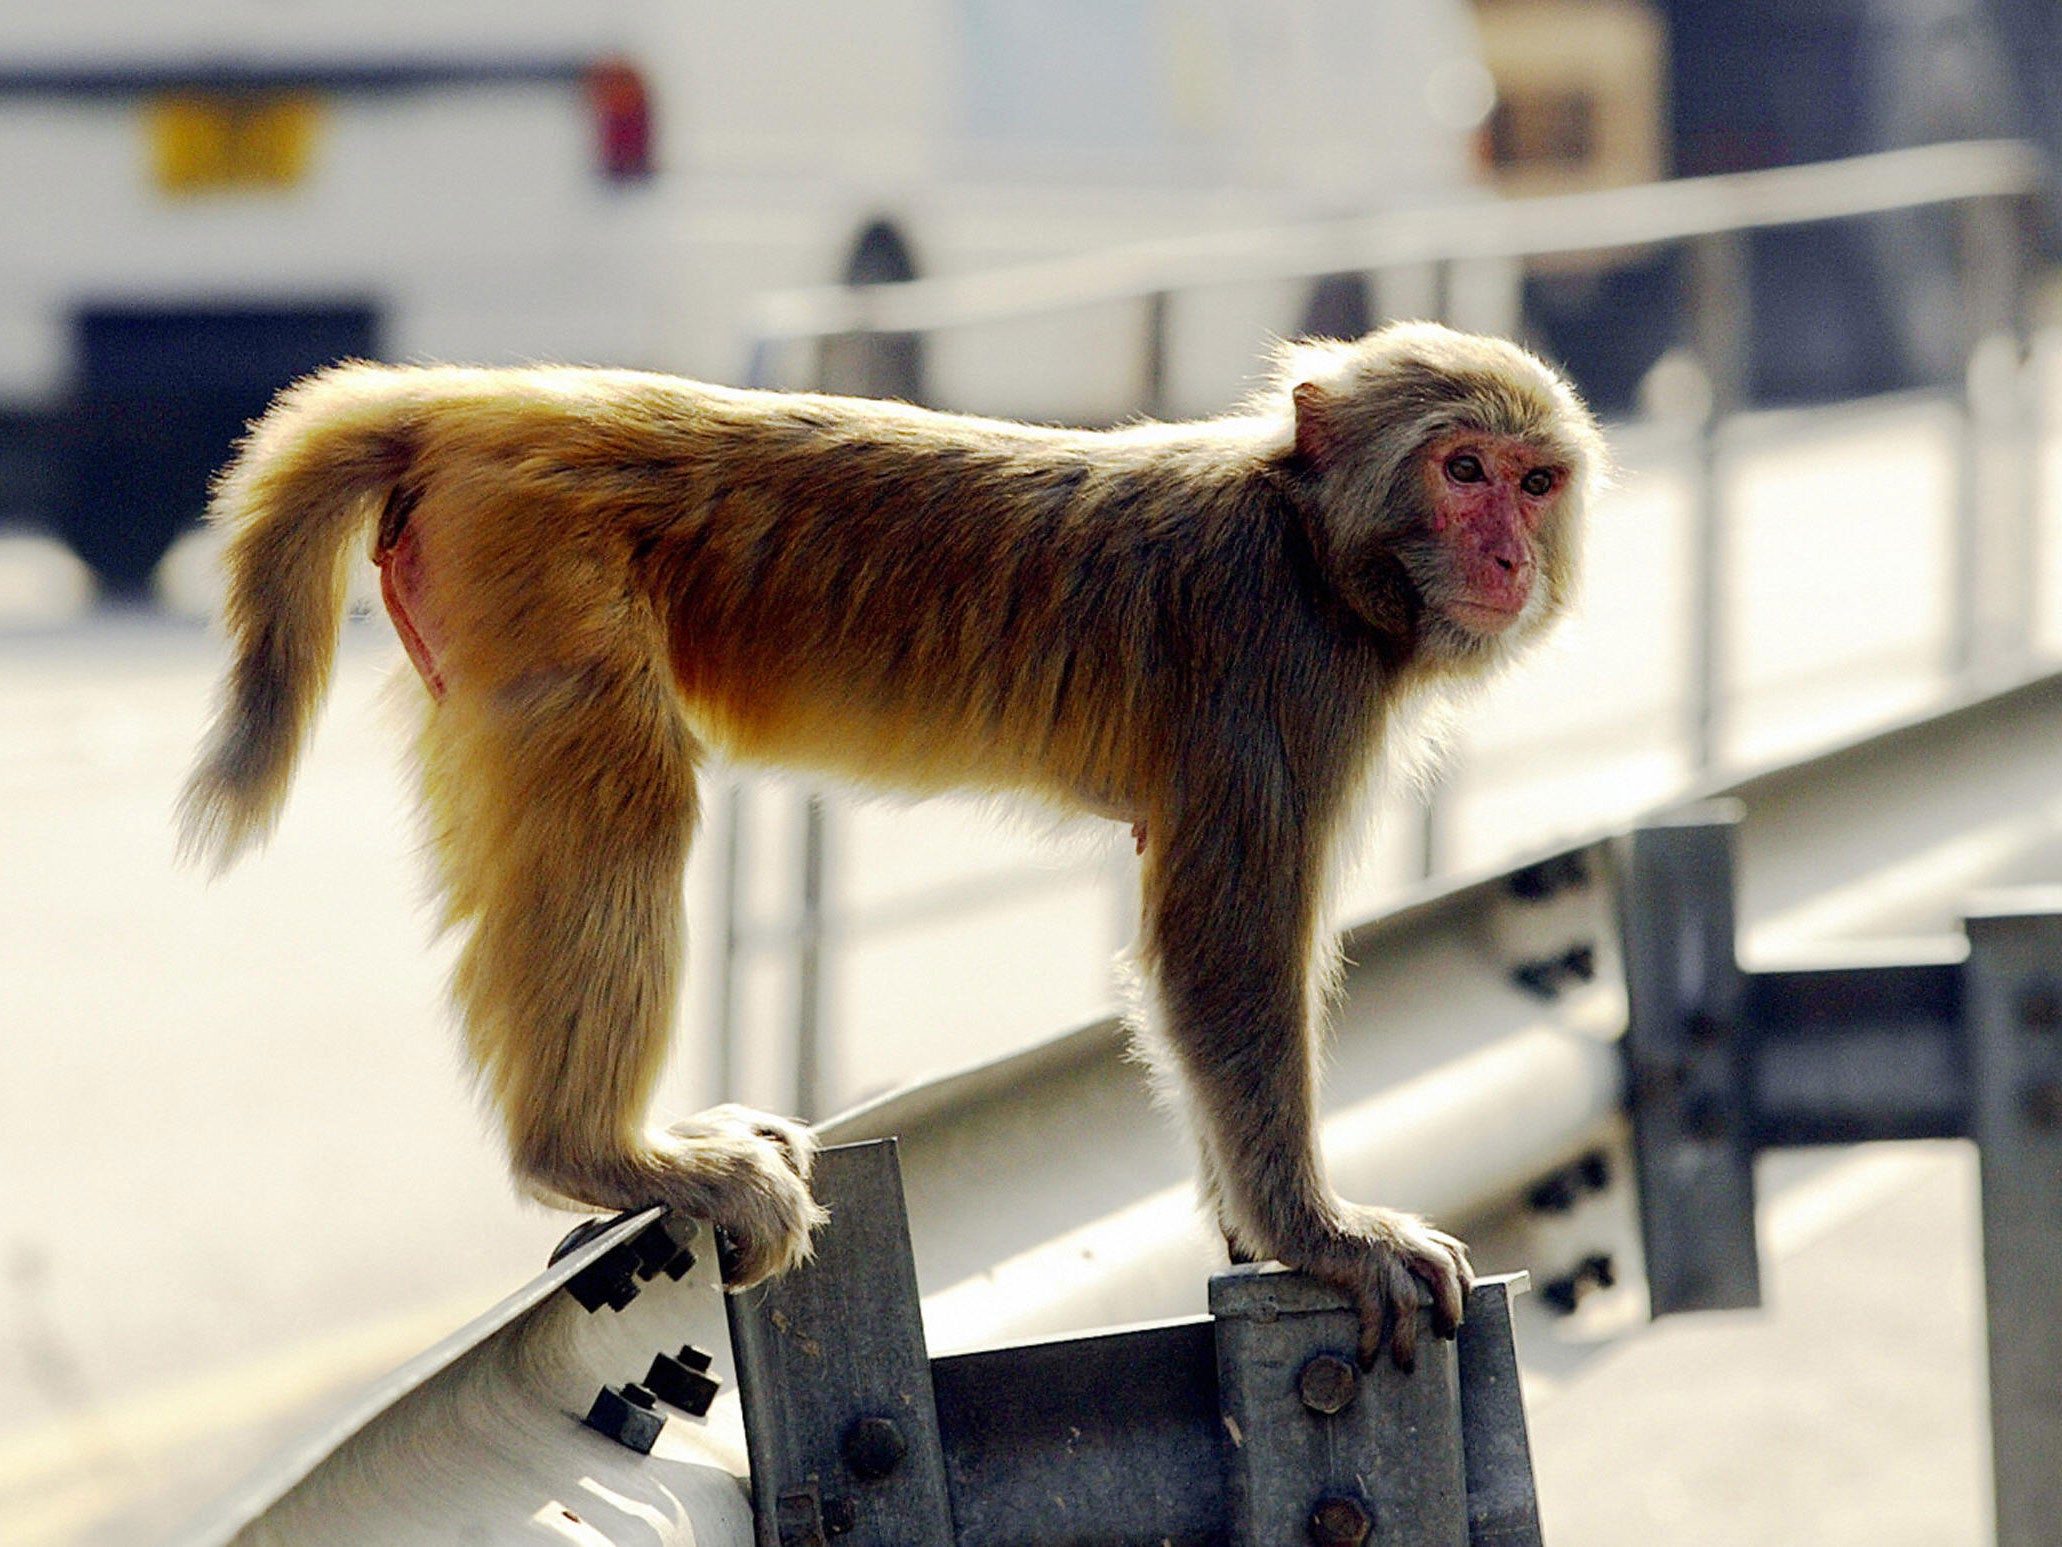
x: 1231, y: 924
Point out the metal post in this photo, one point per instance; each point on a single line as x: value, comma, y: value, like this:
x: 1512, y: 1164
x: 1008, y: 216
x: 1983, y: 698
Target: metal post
x: 1432, y: 828
x: 2013, y: 989
x: 1503, y: 1501
x: 1718, y: 285
x: 809, y: 1049
x: 1254, y: 1427
x: 728, y: 1063
x: 1687, y: 1065
x: 1155, y: 400
x: 1992, y: 597
x: 840, y: 1423
x: 1320, y: 1450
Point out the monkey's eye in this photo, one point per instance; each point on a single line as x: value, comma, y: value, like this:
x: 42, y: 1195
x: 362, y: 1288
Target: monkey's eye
x: 1538, y: 482
x: 1465, y: 467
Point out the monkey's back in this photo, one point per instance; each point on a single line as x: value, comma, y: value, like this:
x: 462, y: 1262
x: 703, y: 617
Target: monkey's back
x: 906, y: 597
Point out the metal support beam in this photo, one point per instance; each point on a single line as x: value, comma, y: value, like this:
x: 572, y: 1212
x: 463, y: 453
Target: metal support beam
x: 840, y: 1425
x: 1503, y: 1502
x: 1319, y: 1449
x: 1105, y: 1439
x: 2013, y: 984
x: 1687, y: 1071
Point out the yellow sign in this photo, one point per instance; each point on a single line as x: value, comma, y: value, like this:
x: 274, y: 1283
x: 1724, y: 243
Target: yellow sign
x: 209, y: 142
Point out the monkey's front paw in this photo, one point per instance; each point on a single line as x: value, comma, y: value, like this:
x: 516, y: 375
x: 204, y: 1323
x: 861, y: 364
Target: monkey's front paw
x: 1392, y: 1265
x: 747, y: 1173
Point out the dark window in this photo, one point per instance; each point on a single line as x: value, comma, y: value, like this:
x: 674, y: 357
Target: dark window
x: 162, y: 396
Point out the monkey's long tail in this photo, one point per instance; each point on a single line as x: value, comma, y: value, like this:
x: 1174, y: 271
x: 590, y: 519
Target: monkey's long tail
x: 308, y: 479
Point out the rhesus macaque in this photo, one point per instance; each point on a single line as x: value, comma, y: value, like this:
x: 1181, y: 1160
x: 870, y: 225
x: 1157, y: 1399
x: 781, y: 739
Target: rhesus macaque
x: 1201, y: 629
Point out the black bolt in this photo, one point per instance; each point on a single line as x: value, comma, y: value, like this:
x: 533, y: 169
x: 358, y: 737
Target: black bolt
x: 798, y: 1518
x: 626, y: 1414
x: 1555, y: 1195
x: 1580, y: 963
x: 1705, y: 1117
x: 611, y: 1280
x: 1706, y: 1029
x: 684, y: 1380
x: 874, y: 1447
x: 1538, y: 882
x: 840, y: 1516
x: 1563, y: 1294
x: 681, y: 1264
x: 655, y: 1250
x: 2042, y: 1103
x: 1327, y: 1384
x: 1339, y: 1522
x: 2040, y: 1006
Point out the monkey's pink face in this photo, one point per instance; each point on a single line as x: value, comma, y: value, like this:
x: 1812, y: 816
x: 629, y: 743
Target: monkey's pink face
x: 1488, y: 496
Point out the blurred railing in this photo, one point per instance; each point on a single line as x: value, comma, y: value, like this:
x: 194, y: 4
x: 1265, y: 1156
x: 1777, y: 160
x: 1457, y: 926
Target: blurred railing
x: 1701, y: 461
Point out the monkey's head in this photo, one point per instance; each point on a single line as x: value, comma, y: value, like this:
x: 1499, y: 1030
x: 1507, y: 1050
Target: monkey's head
x: 1447, y: 475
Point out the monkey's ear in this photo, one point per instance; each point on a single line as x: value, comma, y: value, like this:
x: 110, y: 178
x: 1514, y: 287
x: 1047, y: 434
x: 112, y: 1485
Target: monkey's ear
x: 1314, y: 413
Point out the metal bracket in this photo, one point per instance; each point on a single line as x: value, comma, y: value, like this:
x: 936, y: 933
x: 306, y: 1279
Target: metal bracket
x: 1250, y: 1428
x: 1320, y: 1450
x: 1722, y: 1064
x: 840, y: 1425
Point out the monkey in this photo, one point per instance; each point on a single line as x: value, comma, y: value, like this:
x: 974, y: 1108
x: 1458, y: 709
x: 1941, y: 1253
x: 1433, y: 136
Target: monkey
x: 1208, y: 630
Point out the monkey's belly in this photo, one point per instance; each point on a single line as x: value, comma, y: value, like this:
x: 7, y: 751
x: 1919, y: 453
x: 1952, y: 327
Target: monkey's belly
x: 908, y: 751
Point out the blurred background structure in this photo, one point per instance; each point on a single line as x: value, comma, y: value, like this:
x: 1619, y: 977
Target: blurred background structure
x: 236, y: 1111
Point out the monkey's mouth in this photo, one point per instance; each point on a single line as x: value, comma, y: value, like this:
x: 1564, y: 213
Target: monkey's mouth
x: 1473, y: 616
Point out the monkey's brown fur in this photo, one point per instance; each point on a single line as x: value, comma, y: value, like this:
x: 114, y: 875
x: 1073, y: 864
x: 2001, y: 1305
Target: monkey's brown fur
x: 1200, y: 628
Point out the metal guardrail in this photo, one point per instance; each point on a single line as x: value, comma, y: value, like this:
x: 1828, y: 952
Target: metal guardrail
x: 1249, y: 1427
x: 1470, y: 231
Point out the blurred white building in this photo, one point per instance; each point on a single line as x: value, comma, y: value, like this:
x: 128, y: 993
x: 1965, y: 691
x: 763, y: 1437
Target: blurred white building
x: 205, y: 198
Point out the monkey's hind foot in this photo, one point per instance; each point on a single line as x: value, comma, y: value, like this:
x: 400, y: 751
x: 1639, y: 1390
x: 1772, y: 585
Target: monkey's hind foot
x: 1392, y: 1265
x: 747, y: 1173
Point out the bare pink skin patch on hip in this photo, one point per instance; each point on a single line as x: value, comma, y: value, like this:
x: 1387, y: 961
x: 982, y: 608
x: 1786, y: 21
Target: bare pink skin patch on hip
x: 404, y: 587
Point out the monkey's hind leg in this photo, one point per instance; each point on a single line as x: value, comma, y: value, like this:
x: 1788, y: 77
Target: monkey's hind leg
x: 562, y: 804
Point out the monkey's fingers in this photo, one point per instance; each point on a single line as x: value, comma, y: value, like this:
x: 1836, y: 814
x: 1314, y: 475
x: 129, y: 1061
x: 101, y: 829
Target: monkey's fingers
x: 1389, y: 1298
x: 1408, y: 1268
x: 796, y: 1139
x: 1449, y: 1274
